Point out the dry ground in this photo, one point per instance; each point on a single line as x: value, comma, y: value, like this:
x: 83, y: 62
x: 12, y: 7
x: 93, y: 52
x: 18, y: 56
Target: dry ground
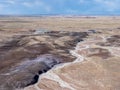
x: 59, y: 23
x: 21, y: 24
x: 99, y: 51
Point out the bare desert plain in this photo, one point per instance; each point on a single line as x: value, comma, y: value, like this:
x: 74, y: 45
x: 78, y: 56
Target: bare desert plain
x: 60, y: 53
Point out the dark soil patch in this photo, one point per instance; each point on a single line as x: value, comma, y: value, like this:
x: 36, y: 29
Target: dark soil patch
x: 24, y: 47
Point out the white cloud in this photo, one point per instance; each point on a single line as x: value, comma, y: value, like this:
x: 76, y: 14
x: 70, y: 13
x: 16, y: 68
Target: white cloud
x: 32, y: 4
x: 109, y: 5
x: 27, y: 4
x: 11, y: 1
x: 2, y: 7
x: 81, y: 1
x: 37, y: 4
x: 8, y: 2
x: 90, y: 6
x: 5, y: 4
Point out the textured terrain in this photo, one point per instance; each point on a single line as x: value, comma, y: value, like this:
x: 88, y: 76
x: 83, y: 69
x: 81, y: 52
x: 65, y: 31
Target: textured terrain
x: 60, y: 53
x: 97, y: 66
x: 24, y: 58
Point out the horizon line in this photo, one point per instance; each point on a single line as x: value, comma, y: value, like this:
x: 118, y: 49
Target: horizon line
x: 59, y: 14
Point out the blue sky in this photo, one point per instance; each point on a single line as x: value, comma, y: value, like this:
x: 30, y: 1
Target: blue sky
x: 81, y: 7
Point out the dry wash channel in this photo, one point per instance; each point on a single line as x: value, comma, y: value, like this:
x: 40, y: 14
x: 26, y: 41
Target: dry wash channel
x: 97, y: 66
x: 23, y: 58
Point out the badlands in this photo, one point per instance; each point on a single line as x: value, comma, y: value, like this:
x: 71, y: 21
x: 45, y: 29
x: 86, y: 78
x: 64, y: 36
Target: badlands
x: 60, y: 53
